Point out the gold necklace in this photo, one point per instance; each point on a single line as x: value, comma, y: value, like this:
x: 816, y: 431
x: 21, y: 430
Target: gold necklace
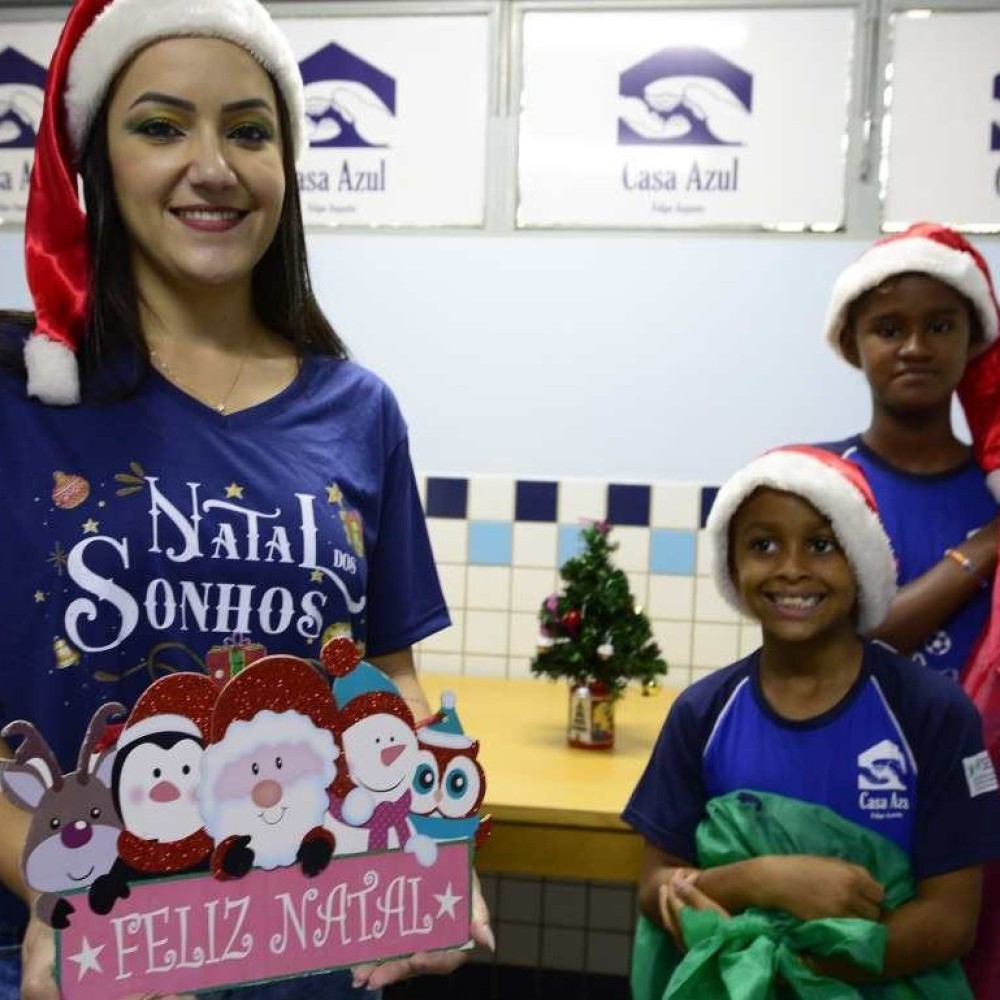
x: 222, y: 405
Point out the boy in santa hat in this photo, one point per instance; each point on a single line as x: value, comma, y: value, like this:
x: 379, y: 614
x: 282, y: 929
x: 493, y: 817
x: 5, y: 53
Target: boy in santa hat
x: 917, y: 313
x: 868, y: 794
x: 911, y: 313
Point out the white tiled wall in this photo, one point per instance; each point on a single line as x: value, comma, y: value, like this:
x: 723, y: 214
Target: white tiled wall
x: 494, y: 607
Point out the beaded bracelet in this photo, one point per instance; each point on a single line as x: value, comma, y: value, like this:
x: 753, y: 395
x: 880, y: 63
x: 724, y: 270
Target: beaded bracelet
x: 966, y: 563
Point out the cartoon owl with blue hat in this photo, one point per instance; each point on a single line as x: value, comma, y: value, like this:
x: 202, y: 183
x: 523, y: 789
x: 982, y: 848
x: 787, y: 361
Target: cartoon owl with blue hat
x: 448, y: 781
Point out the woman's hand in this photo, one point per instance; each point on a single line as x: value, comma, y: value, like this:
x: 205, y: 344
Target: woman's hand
x: 679, y: 892
x: 38, y: 957
x: 435, y: 963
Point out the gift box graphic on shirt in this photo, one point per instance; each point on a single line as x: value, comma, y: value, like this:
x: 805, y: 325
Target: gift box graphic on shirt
x: 239, y: 833
x: 235, y: 654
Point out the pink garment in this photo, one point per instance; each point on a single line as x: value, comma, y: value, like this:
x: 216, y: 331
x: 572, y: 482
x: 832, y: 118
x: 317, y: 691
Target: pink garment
x: 389, y: 816
x: 981, y: 682
x: 386, y: 816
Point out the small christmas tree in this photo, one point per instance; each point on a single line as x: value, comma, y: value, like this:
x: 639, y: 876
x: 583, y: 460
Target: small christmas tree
x: 592, y: 630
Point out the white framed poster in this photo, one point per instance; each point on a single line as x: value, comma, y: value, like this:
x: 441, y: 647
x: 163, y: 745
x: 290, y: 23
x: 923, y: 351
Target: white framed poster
x: 397, y: 112
x: 941, y: 136
x: 25, y: 50
x: 683, y: 119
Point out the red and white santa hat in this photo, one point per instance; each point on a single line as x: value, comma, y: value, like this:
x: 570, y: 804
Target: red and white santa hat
x: 177, y: 703
x: 839, y: 490
x: 98, y: 39
x: 923, y: 248
x: 277, y: 700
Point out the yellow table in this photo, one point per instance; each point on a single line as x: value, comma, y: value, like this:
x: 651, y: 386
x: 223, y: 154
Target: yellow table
x: 555, y: 808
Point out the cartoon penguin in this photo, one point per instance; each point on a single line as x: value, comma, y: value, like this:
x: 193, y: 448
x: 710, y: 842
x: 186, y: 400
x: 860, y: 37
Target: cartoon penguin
x: 155, y: 781
x: 448, y: 781
x: 378, y: 734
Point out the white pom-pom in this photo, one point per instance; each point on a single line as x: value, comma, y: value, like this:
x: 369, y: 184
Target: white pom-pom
x: 359, y: 804
x: 53, y: 376
x: 423, y: 848
x: 448, y: 700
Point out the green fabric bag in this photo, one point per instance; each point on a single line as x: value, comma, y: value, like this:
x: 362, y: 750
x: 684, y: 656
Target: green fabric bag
x: 754, y: 955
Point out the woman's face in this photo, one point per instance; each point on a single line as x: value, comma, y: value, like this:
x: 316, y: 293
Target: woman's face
x: 195, y: 152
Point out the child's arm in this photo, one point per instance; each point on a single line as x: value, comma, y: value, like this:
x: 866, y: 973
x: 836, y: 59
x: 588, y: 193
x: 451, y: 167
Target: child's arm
x: 808, y: 887
x: 936, y: 926
x: 924, y: 604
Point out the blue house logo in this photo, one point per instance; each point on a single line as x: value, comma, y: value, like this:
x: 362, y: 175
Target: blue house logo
x: 684, y: 97
x: 349, y: 102
x: 22, y: 88
x: 995, y: 127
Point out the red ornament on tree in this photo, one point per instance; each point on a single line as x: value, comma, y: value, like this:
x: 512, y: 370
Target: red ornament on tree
x: 572, y: 619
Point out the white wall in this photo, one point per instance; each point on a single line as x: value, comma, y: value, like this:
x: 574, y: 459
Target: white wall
x: 626, y: 357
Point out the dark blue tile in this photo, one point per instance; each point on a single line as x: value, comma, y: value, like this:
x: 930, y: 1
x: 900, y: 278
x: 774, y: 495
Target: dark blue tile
x: 707, y: 499
x: 629, y: 505
x: 447, y: 497
x: 535, y: 501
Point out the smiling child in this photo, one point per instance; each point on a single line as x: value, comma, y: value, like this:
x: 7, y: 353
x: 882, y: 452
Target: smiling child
x: 825, y: 804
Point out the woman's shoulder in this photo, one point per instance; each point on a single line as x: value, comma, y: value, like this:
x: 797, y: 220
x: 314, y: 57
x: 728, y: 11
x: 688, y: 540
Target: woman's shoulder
x: 342, y: 375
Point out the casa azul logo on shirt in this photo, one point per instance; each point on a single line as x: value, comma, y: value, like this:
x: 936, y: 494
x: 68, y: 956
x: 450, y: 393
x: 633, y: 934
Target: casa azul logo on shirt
x: 684, y: 99
x: 350, y: 105
x: 882, y: 788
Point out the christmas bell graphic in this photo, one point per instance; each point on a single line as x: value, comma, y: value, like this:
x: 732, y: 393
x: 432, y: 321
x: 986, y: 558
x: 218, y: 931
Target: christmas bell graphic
x: 66, y: 655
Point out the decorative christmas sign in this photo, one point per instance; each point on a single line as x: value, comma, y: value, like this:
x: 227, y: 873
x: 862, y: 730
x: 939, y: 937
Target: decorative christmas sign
x: 254, y: 825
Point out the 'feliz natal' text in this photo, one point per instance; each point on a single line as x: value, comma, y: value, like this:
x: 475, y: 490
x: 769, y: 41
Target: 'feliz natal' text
x: 195, y: 933
x: 239, y: 534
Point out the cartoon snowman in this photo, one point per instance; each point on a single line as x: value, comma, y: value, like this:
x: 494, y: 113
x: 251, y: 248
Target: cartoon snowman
x: 377, y: 731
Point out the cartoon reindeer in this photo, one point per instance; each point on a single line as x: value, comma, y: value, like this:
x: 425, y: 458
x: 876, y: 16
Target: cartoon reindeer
x: 74, y: 829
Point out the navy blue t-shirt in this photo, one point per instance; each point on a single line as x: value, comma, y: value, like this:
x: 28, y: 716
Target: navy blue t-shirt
x: 141, y: 534
x: 901, y: 754
x: 924, y: 515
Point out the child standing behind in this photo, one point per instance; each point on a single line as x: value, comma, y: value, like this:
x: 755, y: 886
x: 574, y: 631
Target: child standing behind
x: 910, y: 313
x: 832, y: 797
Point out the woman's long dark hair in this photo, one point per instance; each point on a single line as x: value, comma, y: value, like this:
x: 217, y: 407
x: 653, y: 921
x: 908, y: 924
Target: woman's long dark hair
x: 114, y: 351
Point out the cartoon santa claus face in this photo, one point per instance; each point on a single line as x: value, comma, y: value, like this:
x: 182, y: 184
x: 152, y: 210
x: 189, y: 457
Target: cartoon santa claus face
x: 265, y: 774
x: 268, y: 779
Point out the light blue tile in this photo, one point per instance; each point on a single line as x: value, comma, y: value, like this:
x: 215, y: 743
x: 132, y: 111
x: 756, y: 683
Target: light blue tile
x: 570, y: 542
x: 672, y: 551
x: 491, y: 543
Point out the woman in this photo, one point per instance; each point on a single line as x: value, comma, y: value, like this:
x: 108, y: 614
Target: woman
x: 228, y: 472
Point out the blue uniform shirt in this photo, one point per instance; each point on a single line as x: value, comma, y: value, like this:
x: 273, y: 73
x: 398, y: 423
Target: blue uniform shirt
x: 901, y: 754
x: 924, y: 515
x: 139, y: 535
